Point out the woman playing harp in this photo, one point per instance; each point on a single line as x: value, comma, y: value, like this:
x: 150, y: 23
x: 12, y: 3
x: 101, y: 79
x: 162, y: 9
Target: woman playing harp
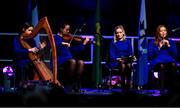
x: 42, y: 70
x: 24, y: 66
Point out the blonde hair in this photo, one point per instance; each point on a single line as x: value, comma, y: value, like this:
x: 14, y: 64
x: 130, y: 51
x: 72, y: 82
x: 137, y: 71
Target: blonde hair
x: 124, y: 34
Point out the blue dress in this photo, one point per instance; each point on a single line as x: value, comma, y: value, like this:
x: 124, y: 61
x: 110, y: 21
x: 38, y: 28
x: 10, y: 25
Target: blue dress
x: 164, y: 55
x: 118, y: 50
x: 24, y: 66
x: 21, y: 54
x: 63, y: 52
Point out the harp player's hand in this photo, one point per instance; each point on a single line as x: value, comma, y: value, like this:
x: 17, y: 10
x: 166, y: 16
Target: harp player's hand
x: 34, y: 50
x: 42, y: 44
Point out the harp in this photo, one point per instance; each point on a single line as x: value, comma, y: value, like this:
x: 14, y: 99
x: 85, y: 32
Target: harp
x: 43, y: 71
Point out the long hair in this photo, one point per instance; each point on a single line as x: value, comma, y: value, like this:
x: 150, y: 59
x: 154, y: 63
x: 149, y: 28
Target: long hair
x: 157, y: 35
x: 25, y: 26
x: 119, y: 27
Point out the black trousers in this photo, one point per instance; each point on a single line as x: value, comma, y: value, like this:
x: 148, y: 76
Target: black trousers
x: 24, y: 72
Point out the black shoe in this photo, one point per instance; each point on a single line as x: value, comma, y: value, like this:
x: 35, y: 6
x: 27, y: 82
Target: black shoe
x: 76, y: 90
x: 68, y: 89
x: 162, y: 92
x: 125, y: 91
x: 76, y: 87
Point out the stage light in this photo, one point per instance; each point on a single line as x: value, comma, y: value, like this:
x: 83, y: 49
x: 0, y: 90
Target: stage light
x: 9, y: 80
x: 156, y: 75
x: 114, y: 80
x: 8, y: 70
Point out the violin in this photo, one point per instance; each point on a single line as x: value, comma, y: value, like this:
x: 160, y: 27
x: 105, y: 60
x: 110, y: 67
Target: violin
x: 69, y: 38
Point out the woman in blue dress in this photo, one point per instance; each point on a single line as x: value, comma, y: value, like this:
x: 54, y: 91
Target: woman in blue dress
x: 162, y: 56
x: 73, y: 67
x: 24, y: 66
x: 119, y: 52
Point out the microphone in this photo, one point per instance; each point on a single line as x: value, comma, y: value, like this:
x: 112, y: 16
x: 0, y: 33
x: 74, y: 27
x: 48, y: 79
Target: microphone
x: 176, y: 29
x: 80, y: 29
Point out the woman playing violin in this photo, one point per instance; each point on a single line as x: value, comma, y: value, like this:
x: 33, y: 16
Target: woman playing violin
x: 73, y: 67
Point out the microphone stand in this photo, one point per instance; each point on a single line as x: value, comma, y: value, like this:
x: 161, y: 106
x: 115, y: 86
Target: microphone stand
x: 73, y: 35
x: 176, y: 29
x: 76, y: 30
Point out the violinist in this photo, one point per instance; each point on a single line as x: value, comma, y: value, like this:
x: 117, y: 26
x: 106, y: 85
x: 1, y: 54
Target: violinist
x: 23, y: 64
x: 73, y: 67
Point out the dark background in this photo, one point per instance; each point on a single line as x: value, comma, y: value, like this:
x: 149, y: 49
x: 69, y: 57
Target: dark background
x: 113, y: 12
x: 77, y: 12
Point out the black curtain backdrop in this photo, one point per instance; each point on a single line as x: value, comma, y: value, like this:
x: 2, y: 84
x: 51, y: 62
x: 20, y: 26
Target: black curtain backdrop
x: 113, y: 12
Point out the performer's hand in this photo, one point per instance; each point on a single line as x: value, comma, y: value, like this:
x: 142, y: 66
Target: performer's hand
x: 66, y: 44
x: 86, y: 40
x: 121, y: 60
x: 166, y: 42
x: 161, y: 43
x: 42, y: 44
x: 34, y: 50
x: 118, y: 59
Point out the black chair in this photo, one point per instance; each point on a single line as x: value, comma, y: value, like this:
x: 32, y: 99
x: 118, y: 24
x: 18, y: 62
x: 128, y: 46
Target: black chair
x: 107, y: 81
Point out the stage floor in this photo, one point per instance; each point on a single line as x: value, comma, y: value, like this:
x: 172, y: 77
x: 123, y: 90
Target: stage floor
x: 90, y: 97
x: 95, y: 91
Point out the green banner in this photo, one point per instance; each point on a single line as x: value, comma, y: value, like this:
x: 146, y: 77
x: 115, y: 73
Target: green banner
x: 97, y: 67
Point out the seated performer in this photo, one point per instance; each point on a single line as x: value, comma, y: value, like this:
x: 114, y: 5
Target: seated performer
x: 73, y: 67
x: 24, y: 66
x: 119, y: 52
x: 162, y: 55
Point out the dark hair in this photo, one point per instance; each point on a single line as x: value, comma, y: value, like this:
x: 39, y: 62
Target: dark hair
x: 25, y: 26
x: 62, y: 25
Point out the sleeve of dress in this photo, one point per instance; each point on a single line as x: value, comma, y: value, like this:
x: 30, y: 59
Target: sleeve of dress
x: 173, y: 49
x: 18, y: 49
x: 152, y: 50
x: 57, y: 40
x: 112, y: 53
x: 130, y: 47
x: 78, y: 48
